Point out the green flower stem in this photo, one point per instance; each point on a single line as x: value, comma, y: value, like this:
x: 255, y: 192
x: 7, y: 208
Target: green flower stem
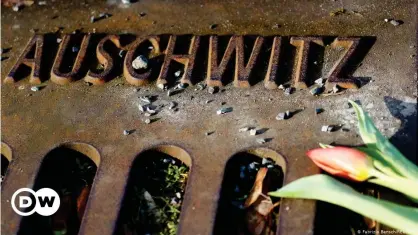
x: 328, y: 189
x: 403, y: 185
x: 387, y: 152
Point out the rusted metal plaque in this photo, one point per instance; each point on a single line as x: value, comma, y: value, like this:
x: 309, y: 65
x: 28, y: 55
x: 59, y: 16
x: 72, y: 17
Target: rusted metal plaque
x: 81, y: 92
x: 215, y: 73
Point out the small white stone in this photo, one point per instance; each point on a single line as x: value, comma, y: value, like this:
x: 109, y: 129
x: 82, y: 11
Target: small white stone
x: 395, y: 22
x: 126, y: 1
x: 261, y: 141
x: 265, y: 161
x: 171, y: 92
x: 252, y: 165
x: 147, y: 121
x: 140, y: 62
x: 151, y: 110
x: 126, y: 132
x: 16, y: 7
x: 324, y: 128
x: 386, y: 20
x: 59, y: 40
x: 173, y: 201
x: 146, y: 99
x: 224, y: 110
x: 253, y: 132
x: 177, y: 73
x: 172, y: 105
x: 161, y: 86
x: 142, y: 108
x: 103, y: 15
x: 281, y: 116
x: 42, y: 3
x: 200, y: 87
x: 244, y: 129
x: 178, y: 195
x: 319, y: 81
x: 212, y: 90
x: 288, y: 91
x: 182, y: 86
x: 34, y: 88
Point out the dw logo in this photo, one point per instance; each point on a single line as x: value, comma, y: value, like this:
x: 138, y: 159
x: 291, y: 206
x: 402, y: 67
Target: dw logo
x: 45, y: 202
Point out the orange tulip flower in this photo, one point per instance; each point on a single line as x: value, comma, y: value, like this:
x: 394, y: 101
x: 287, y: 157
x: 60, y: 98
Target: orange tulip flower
x: 342, y: 161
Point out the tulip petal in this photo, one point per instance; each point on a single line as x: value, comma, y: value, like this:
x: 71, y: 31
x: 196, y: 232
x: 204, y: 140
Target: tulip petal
x: 342, y: 161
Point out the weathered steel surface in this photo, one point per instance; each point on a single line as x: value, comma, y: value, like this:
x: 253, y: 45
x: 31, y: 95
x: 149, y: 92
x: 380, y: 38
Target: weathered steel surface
x: 216, y: 72
x: 304, y: 48
x: 271, y: 75
x: 36, y: 44
x: 104, y: 59
x: 351, y: 45
x: 33, y: 123
x: 65, y: 78
x: 187, y: 60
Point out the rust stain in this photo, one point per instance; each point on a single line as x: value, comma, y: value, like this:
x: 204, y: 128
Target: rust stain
x: 351, y: 46
x: 187, y: 60
x: 303, y: 45
x: 104, y: 59
x: 37, y: 41
x: 65, y: 78
x: 272, y: 69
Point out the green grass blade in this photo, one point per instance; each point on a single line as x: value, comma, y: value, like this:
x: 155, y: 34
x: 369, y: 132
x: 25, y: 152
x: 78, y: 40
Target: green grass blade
x: 325, y: 188
x: 375, y: 140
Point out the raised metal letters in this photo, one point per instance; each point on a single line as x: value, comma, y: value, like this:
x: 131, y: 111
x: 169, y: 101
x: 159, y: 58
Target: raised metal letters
x: 34, y: 63
x: 217, y: 65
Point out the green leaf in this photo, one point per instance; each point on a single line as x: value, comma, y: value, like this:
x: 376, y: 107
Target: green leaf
x: 379, y: 161
x: 327, y: 189
x: 375, y: 140
x: 403, y: 185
